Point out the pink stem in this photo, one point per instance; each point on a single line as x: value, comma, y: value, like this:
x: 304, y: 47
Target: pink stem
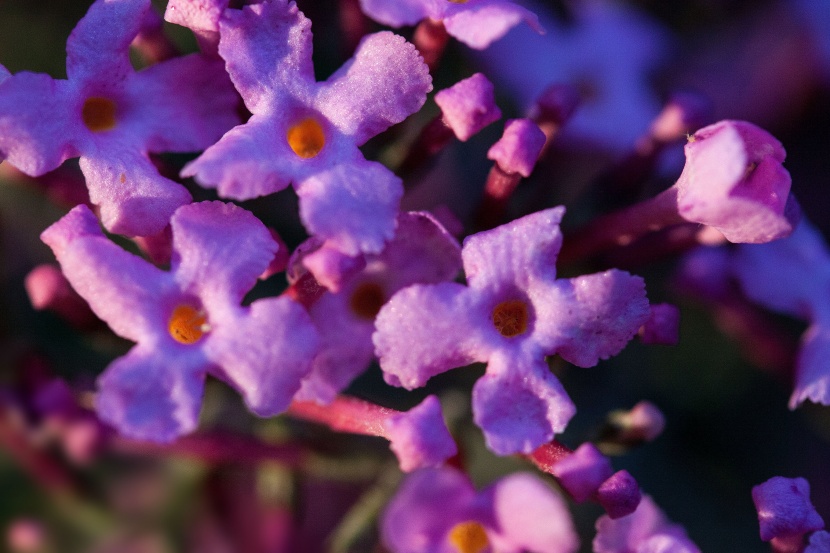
x: 622, y: 227
x: 431, y: 39
x: 346, y: 414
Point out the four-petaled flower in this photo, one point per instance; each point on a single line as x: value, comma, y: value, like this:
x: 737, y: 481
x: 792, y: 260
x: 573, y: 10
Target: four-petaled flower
x: 307, y: 133
x: 511, y: 316
x: 187, y: 322
x: 112, y: 117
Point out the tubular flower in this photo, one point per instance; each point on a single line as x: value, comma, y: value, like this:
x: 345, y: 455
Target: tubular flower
x: 187, y: 322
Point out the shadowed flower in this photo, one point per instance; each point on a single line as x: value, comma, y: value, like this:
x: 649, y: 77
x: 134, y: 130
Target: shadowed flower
x: 511, y: 315
x: 476, y: 23
x: 308, y: 133
x: 421, y: 252
x: 439, y: 511
x: 112, y: 117
x: 646, y: 530
x: 187, y: 322
x: 784, y: 508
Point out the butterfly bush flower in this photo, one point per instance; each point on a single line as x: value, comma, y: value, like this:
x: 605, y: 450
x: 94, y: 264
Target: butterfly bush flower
x: 784, y: 508
x: 792, y: 276
x: 607, y: 52
x: 187, y: 322
x: 476, y: 23
x: 511, y: 315
x: 439, y: 511
x: 112, y: 117
x: 646, y: 530
x: 421, y: 252
x: 307, y: 133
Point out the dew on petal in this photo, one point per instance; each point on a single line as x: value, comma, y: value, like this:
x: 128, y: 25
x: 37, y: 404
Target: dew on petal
x: 187, y: 324
x: 510, y: 318
x: 306, y: 138
x: 98, y: 114
x: 468, y: 537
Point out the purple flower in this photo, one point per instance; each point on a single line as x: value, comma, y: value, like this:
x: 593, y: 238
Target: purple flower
x: 784, y: 508
x: 439, y: 511
x: 792, y: 276
x: 468, y: 106
x: 819, y: 543
x: 513, y: 313
x: 607, y: 52
x: 112, y: 116
x: 419, y: 437
x: 646, y: 530
x: 733, y: 181
x: 582, y: 472
x: 187, y: 322
x: 421, y: 252
x: 476, y: 23
x: 308, y: 133
x: 518, y: 148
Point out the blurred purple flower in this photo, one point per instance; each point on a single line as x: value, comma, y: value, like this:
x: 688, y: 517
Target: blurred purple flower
x: 513, y: 313
x: 112, y: 117
x: 187, y: 322
x: 421, y: 252
x: 439, y: 511
x: 308, y: 133
x: 646, y: 530
x: 476, y: 23
x: 607, y: 52
x: 784, y: 508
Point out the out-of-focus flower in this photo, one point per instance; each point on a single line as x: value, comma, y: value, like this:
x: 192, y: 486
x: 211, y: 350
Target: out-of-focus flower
x: 438, y: 510
x: 784, y: 508
x: 607, y: 52
x: 308, y: 133
x: 112, y: 117
x: 646, y: 530
x: 511, y: 315
x: 476, y: 23
x: 421, y: 252
x: 187, y: 322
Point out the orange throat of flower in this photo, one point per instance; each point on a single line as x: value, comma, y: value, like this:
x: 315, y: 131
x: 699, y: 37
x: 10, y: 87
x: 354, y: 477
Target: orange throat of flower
x: 187, y: 324
x: 468, y: 537
x: 510, y: 318
x: 98, y: 114
x: 306, y: 138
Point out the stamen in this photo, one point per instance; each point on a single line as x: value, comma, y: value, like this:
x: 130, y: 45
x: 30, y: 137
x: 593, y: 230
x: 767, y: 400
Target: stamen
x: 510, y: 318
x: 367, y: 299
x: 98, y: 114
x: 306, y: 138
x: 187, y: 324
x: 469, y: 537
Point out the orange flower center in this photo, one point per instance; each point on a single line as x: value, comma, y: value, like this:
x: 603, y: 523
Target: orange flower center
x: 510, y: 318
x: 469, y: 537
x: 98, y: 114
x: 306, y: 138
x: 366, y: 300
x: 187, y: 324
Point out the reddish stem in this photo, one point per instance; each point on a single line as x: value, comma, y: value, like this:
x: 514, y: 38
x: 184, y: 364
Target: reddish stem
x: 499, y: 187
x: 547, y: 455
x: 346, y: 414
x: 431, y: 39
x: 216, y: 447
x: 433, y: 138
x: 622, y: 227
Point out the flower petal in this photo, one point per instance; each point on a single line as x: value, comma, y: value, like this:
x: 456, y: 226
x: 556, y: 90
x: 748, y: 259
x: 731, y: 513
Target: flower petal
x: 193, y: 104
x: 382, y: 84
x: 243, y: 164
x: 264, y: 351
x: 267, y: 48
x: 219, y: 251
x: 124, y: 290
x: 419, y: 437
x: 135, y: 200
x: 396, y: 14
x: 98, y: 49
x: 353, y: 205
x: 515, y: 254
x: 591, y: 317
x: 519, y: 405
x: 35, y: 134
x: 479, y: 25
x: 147, y: 395
x: 812, y: 379
x: 425, y: 330
x: 530, y: 516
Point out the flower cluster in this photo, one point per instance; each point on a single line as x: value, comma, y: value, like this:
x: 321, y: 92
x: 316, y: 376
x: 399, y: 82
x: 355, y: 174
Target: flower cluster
x: 323, y: 250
